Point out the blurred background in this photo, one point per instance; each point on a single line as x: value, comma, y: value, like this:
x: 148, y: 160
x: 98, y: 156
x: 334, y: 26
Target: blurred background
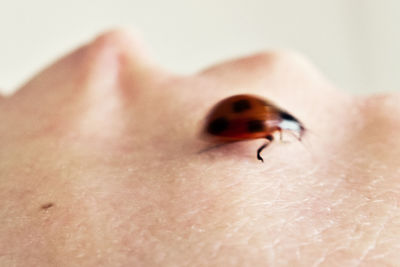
x: 356, y: 43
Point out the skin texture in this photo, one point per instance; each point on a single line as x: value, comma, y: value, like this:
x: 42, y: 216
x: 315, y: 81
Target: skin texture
x: 99, y: 166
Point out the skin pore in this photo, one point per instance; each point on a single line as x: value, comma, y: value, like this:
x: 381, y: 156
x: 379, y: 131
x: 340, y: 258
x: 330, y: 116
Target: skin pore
x: 99, y: 166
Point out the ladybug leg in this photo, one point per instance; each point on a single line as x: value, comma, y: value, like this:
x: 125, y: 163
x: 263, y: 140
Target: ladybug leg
x: 269, y: 138
x: 280, y: 134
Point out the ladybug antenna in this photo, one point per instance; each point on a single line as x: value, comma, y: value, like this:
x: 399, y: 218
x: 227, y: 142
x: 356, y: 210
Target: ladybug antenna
x: 305, y: 141
x: 300, y: 134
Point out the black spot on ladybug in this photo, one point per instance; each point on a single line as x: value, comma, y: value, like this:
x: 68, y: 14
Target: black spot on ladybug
x: 255, y: 126
x: 241, y: 105
x: 218, y: 125
x: 287, y: 116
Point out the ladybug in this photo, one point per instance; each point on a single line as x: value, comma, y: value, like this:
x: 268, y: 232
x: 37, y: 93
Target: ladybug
x: 245, y: 117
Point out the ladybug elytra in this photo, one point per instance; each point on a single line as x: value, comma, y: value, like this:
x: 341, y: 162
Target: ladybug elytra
x: 244, y: 117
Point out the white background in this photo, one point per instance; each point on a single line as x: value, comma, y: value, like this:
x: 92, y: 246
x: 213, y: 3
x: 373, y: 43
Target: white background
x: 356, y: 43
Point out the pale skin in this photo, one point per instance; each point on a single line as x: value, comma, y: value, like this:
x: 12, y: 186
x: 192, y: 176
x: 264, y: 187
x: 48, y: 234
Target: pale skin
x: 99, y: 166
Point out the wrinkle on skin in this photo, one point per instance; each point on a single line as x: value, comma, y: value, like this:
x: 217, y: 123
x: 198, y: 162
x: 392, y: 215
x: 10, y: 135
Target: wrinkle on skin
x: 112, y: 139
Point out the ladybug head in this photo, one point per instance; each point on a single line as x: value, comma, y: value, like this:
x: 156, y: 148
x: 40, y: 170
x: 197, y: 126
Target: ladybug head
x: 290, y: 123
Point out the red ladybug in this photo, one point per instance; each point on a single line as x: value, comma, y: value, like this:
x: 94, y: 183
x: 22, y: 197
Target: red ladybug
x: 244, y: 117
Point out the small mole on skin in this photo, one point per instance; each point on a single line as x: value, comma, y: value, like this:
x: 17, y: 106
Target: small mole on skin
x: 47, y: 206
